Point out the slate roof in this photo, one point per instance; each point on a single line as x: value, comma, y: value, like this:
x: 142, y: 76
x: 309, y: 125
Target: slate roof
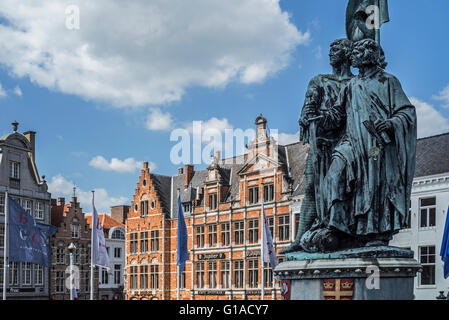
x: 432, y: 155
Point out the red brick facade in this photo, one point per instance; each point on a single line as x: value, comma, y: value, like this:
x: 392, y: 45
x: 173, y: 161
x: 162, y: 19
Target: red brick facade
x: 72, y: 228
x: 224, y: 227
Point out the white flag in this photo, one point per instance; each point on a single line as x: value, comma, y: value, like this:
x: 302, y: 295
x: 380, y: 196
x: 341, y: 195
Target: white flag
x: 269, y: 253
x: 99, y: 253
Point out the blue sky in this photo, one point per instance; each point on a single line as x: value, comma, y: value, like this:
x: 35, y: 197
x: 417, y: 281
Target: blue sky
x: 91, y: 93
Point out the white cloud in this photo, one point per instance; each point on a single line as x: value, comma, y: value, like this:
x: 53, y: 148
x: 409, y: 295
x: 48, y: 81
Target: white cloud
x: 158, y: 121
x: 430, y: 121
x: 18, y: 91
x: 286, y: 138
x: 140, y: 52
x: 443, y: 96
x: 129, y: 165
x: 210, y: 128
x: 2, y: 92
x: 59, y: 186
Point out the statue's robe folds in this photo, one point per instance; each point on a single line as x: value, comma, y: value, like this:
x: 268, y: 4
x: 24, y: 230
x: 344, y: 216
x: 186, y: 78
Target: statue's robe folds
x: 322, y: 94
x: 365, y: 196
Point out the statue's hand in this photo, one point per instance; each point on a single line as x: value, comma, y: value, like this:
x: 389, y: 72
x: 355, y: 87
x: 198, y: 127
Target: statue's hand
x: 308, y: 112
x: 384, y: 126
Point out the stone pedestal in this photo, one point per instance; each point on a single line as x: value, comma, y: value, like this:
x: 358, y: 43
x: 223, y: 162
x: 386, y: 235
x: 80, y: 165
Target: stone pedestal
x: 381, y: 273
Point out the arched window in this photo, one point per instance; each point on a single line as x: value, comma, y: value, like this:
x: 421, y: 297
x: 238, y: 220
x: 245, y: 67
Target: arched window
x: 118, y: 234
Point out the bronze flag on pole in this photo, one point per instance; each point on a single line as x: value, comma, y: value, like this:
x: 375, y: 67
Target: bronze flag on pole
x: 365, y: 17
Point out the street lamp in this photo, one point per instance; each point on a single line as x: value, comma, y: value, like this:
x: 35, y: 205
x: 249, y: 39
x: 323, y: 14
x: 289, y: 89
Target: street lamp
x: 72, y: 249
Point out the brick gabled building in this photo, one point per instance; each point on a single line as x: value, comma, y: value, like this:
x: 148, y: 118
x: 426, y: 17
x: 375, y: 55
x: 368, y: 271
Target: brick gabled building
x: 72, y: 228
x: 222, y: 207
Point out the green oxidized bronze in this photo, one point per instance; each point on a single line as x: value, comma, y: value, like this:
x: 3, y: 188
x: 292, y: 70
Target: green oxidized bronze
x: 362, y: 135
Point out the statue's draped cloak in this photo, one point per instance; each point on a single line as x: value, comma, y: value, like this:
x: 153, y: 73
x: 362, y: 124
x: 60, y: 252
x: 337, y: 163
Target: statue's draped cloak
x: 322, y: 94
x: 364, y: 195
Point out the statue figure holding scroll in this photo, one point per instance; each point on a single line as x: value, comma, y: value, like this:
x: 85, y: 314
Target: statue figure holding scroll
x: 366, y: 191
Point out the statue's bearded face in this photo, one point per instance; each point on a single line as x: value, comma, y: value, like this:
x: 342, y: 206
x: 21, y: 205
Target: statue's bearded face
x: 362, y: 56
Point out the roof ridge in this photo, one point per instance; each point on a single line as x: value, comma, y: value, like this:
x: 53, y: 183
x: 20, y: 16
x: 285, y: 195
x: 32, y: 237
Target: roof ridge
x: 434, y: 136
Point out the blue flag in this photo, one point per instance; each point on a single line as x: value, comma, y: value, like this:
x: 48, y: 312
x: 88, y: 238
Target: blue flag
x: 28, y: 240
x: 183, y: 254
x: 445, y: 247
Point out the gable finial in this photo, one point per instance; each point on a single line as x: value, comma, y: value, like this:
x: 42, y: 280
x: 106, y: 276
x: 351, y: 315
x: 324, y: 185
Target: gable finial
x: 15, y: 126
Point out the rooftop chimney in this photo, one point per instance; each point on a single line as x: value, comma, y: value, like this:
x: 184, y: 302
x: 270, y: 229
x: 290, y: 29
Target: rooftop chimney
x: 190, y: 171
x: 145, y: 165
x: 61, y: 201
x: 180, y: 171
x: 120, y: 213
x: 31, y: 137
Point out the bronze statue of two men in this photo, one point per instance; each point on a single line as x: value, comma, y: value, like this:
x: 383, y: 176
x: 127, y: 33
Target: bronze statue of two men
x: 362, y: 135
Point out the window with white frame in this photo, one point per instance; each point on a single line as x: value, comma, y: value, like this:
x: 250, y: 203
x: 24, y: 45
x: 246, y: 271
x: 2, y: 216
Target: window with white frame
x: 186, y: 207
x: 144, y: 241
x: 60, y: 281
x: 154, y: 274
x: 200, y: 236
x: 144, y: 277
x: 427, y: 260
x: 14, y: 170
x: 253, y: 273
x: 238, y: 273
x: 212, y: 235
x: 104, y: 276
x: 133, y: 277
x: 26, y: 273
x: 133, y: 242
x: 253, y: 231
x: 13, y: 273
x: 60, y: 255
x: 253, y: 195
x: 225, y: 274
x: 118, y: 235
x: 39, y: 213
x: 268, y: 192
x: 212, y: 274
x: 225, y: 234
x: 117, y: 274
x: 117, y: 252
x: 268, y: 275
x: 284, y: 228
x: 155, y: 241
x: 28, y: 206
x: 213, y: 201
x: 2, y: 204
x: 200, y: 275
x: 38, y: 275
x: 239, y: 232
x: 75, y: 227
x: 428, y: 212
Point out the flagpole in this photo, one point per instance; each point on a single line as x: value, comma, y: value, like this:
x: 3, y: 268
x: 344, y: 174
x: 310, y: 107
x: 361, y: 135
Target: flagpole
x: 5, y: 246
x: 262, y: 251
x: 377, y: 30
x: 178, y: 278
x: 92, y: 250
